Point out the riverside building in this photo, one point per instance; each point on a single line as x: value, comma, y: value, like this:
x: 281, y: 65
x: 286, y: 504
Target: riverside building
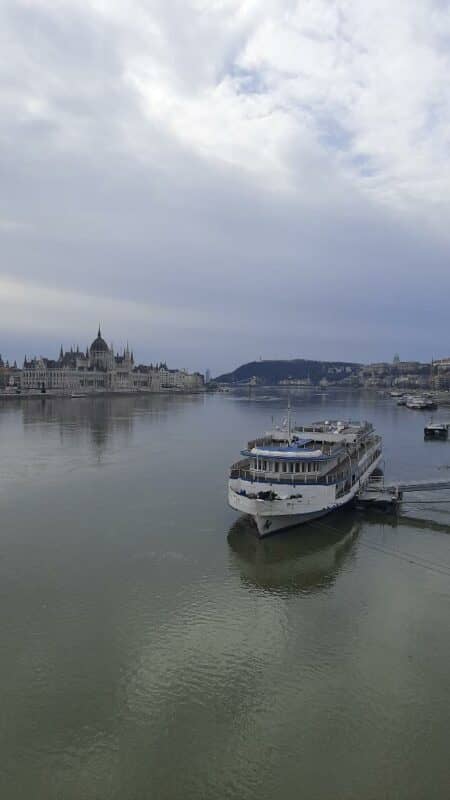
x: 100, y: 369
x: 441, y: 374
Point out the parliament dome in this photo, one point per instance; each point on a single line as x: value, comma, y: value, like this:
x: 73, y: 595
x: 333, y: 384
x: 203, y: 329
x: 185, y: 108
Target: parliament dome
x: 99, y: 345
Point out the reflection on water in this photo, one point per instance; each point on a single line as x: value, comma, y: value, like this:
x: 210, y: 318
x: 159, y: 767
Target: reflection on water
x: 145, y: 655
x: 105, y: 419
x: 410, y: 518
x: 303, y: 559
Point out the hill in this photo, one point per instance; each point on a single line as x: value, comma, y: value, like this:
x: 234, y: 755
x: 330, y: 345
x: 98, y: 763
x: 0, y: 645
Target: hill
x: 271, y: 373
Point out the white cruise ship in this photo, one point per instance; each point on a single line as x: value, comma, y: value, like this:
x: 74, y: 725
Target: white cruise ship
x: 292, y: 475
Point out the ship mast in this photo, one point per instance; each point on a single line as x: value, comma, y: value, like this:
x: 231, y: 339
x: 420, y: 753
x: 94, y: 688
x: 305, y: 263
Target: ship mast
x: 289, y: 415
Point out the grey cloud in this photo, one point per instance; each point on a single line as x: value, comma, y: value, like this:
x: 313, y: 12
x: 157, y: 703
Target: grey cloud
x: 109, y: 203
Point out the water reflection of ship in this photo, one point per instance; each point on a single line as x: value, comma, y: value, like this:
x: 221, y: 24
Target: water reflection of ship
x: 304, y: 559
x: 409, y: 520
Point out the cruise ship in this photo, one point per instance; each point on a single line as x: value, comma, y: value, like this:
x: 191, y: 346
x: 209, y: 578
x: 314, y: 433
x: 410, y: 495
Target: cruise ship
x: 296, y: 474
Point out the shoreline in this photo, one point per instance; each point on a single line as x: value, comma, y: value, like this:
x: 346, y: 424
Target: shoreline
x: 90, y: 395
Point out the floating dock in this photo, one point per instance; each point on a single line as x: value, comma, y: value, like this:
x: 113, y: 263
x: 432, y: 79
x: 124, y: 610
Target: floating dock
x: 388, y: 496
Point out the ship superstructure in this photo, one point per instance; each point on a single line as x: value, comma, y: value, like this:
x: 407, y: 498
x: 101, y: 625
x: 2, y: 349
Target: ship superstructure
x: 292, y: 475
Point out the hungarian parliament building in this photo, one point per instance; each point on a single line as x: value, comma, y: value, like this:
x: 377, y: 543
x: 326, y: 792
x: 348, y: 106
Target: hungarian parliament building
x: 100, y: 369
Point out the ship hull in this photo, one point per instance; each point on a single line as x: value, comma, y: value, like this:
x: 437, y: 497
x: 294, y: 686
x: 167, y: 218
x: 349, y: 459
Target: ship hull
x: 269, y: 525
x: 315, y: 501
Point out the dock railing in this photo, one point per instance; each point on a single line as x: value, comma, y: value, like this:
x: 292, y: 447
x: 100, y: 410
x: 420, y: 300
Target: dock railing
x: 374, y: 484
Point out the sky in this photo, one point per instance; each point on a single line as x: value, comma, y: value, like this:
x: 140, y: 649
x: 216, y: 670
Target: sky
x: 217, y: 181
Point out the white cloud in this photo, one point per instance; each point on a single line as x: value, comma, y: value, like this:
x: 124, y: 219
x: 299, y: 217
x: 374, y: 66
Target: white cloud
x: 364, y: 82
x: 247, y: 81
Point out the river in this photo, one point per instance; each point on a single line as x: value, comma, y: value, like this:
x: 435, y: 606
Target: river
x: 152, y: 647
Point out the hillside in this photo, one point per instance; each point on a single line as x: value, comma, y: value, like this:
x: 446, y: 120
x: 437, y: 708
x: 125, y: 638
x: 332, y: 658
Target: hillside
x: 272, y: 372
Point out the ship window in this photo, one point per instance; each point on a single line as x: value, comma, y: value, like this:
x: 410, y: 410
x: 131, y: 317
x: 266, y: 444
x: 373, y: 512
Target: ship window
x: 284, y: 466
x: 297, y: 466
x: 276, y: 466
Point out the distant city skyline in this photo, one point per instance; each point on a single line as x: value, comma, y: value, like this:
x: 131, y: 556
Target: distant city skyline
x: 98, y: 368
x: 51, y: 350
x: 275, y: 183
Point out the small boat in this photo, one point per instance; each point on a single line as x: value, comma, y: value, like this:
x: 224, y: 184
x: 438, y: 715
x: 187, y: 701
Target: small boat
x: 402, y: 401
x: 420, y: 403
x: 436, y: 430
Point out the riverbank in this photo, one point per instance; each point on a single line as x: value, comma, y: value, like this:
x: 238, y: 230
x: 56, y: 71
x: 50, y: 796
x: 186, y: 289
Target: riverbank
x: 80, y: 396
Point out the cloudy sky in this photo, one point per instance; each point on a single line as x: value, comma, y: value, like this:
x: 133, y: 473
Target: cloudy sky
x: 219, y: 180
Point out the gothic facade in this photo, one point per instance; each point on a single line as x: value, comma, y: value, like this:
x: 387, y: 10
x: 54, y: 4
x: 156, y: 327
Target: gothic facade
x: 100, y: 369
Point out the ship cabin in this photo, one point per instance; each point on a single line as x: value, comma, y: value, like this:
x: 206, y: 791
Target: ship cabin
x: 324, y: 452
x: 302, y: 460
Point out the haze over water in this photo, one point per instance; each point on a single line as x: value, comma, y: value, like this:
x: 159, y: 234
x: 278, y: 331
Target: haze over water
x: 152, y: 647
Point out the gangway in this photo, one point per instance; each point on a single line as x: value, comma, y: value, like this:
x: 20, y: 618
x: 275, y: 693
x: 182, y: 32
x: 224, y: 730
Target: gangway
x: 377, y: 493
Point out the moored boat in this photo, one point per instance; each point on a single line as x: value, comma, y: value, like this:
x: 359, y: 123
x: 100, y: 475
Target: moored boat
x: 293, y: 475
x: 421, y: 403
x: 436, y: 430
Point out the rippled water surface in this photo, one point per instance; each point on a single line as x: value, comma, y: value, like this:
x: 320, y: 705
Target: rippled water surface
x: 152, y: 647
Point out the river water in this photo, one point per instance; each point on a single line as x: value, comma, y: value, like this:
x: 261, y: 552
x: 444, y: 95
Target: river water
x: 152, y: 647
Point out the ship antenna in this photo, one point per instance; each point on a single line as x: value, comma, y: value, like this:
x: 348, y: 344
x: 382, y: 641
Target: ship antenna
x: 289, y: 415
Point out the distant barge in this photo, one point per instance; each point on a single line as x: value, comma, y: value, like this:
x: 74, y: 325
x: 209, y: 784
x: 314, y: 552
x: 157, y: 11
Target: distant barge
x: 436, y: 430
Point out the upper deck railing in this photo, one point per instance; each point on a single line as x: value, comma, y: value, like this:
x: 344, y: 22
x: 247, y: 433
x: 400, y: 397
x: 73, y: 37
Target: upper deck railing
x: 263, y: 441
x: 241, y: 469
x: 322, y: 427
x: 363, y: 429
x: 331, y: 449
x: 286, y: 478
